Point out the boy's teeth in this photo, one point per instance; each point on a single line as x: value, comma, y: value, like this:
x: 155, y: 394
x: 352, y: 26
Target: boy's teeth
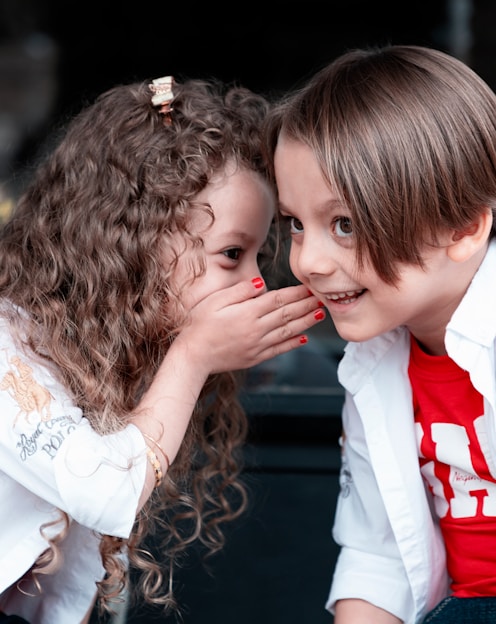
x: 348, y: 293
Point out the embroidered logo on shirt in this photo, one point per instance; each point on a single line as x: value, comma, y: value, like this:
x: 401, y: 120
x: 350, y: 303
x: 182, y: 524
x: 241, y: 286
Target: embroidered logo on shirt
x: 47, y: 437
x: 345, y: 480
x: 27, y: 392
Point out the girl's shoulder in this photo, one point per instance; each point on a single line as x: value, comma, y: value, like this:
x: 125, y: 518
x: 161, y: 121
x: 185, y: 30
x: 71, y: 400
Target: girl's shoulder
x: 20, y: 367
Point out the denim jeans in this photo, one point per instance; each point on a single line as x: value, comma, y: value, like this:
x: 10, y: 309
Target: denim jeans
x: 454, y: 610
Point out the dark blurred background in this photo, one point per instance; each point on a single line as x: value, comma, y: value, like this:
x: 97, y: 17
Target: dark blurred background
x: 56, y: 56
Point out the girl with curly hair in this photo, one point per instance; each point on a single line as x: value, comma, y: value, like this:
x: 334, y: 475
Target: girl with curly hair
x: 131, y: 299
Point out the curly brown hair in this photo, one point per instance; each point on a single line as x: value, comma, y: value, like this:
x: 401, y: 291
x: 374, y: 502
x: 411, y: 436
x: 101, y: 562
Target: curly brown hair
x: 82, y: 255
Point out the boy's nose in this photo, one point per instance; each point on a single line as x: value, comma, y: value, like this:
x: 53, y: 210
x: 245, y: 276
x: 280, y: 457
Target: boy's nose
x: 312, y: 257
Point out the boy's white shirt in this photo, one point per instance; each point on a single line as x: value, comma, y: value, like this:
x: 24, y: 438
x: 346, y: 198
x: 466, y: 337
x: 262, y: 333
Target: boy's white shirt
x: 51, y: 459
x: 392, y: 552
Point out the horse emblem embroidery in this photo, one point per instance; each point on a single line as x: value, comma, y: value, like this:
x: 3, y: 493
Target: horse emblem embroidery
x: 27, y: 392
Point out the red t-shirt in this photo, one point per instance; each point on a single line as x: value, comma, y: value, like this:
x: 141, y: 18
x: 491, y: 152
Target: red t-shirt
x: 451, y: 435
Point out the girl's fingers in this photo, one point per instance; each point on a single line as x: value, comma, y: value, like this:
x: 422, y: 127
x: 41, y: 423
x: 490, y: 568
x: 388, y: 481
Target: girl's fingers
x: 296, y: 309
x: 263, y: 326
x: 285, y: 335
x: 291, y: 301
x: 282, y: 317
x: 284, y: 299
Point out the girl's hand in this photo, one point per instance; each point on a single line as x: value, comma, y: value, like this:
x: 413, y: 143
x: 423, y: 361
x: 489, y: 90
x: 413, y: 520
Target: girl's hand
x: 241, y: 326
x: 231, y: 329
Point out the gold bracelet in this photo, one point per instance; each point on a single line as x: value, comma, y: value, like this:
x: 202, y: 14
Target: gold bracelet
x: 155, y: 443
x: 153, y: 459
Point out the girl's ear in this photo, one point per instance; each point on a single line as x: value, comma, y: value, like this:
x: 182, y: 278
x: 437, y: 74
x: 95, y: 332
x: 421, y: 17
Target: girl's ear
x: 465, y: 243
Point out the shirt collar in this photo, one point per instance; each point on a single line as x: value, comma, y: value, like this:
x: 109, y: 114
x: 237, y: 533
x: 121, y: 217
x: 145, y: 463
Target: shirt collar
x: 475, y: 316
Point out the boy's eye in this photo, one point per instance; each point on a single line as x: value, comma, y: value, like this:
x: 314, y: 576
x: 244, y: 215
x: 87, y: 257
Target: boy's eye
x: 290, y: 225
x: 295, y: 225
x: 233, y: 253
x: 343, y: 227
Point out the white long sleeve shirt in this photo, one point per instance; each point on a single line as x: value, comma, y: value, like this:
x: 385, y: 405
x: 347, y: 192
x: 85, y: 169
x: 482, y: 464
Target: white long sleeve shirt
x: 51, y: 459
x: 392, y: 553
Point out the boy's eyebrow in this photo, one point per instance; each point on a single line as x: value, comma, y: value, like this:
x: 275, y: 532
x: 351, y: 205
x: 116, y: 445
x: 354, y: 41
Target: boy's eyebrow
x: 281, y: 207
x: 323, y: 208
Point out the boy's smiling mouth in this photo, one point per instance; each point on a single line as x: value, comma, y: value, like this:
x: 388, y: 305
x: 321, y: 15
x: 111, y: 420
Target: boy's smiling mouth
x: 348, y: 296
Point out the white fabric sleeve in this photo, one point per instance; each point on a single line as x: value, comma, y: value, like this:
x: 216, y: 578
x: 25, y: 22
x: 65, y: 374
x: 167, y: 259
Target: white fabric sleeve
x: 47, y: 446
x: 100, y: 479
x: 369, y: 565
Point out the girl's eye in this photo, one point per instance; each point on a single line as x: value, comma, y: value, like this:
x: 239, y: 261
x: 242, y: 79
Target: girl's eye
x: 343, y: 227
x: 233, y: 253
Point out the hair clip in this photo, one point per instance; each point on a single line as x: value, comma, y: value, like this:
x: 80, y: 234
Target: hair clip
x: 163, y: 96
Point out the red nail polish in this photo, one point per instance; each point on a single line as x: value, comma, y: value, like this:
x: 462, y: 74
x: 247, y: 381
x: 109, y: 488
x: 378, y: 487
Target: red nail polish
x: 303, y: 339
x: 257, y: 282
x: 318, y: 315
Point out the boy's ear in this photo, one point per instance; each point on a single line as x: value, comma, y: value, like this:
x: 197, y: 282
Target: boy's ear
x: 465, y: 243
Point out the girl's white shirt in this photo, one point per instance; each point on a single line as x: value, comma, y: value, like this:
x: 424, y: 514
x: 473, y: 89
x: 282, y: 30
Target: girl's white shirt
x: 392, y: 552
x: 51, y: 459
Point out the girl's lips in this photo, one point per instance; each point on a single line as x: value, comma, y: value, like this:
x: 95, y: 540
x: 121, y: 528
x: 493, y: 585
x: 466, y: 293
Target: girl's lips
x: 349, y: 296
